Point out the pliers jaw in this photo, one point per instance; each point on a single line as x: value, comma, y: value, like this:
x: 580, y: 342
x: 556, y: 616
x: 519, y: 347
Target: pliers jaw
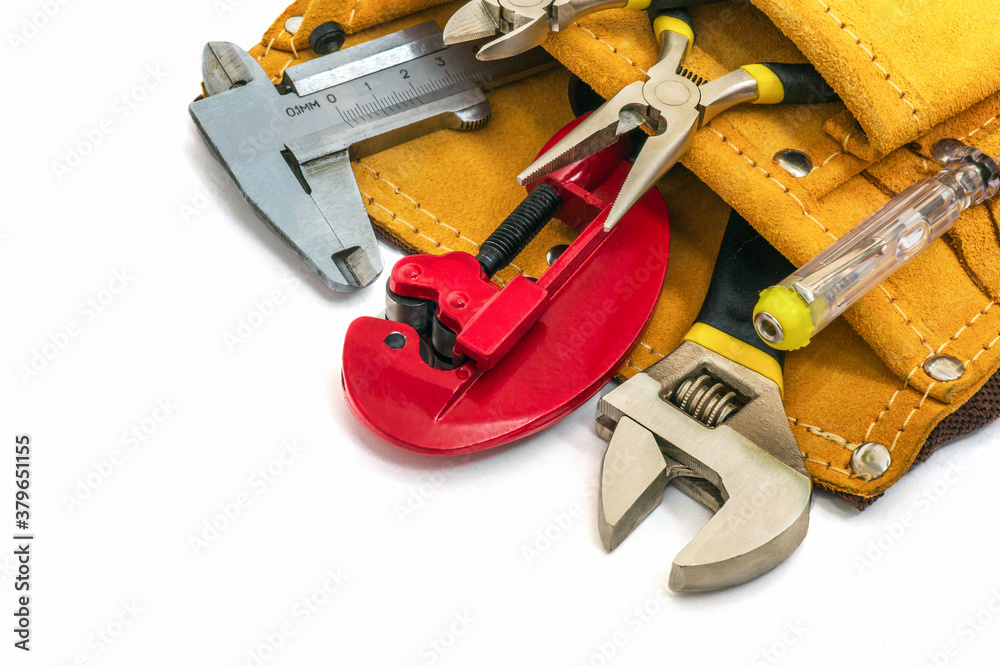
x: 518, y: 28
x: 747, y: 468
x: 666, y: 108
x: 519, y: 25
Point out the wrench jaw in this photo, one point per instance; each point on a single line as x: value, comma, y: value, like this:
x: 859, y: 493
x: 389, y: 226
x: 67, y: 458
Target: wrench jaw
x: 749, y: 470
x: 634, y: 473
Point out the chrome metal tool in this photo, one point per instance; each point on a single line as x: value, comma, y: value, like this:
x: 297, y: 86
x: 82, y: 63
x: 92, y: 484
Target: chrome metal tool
x: 289, y: 146
x: 792, y: 312
x: 709, y: 419
x: 524, y: 24
x: 671, y: 106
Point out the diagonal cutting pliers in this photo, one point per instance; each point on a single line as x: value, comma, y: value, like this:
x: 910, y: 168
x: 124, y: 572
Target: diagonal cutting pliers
x: 671, y: 106
x: 524, y: 24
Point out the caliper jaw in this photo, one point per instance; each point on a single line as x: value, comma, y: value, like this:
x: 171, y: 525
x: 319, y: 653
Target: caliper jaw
x: 749, y: 469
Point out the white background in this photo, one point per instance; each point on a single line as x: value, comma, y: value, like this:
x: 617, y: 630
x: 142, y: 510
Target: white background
x: 493, y: 559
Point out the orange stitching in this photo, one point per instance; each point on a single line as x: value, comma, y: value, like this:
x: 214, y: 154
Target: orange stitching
x: 769, y: 176
x: 268, y: 49
x: 871, y: 56
x: 642, y: 343
x: 827, y: 465
x: 980, y: 128
x: 843, y: 146
x: 805, y: 212
x: 350, y: 21
x: 417, y: 205
x: 918, y: 366
x: 396, y: 218
x: 819, y: 432
x: 613, y: 49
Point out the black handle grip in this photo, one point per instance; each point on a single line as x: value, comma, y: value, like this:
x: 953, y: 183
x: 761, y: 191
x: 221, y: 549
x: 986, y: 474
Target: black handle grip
x: 671, y: 9
x: 802, y: 83
x: 746, y: 266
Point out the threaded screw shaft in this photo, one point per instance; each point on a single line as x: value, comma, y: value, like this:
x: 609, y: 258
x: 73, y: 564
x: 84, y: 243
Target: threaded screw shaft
x: 519, y: 229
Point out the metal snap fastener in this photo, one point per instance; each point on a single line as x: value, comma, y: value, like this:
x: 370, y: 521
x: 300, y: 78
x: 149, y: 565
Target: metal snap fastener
x: 293, y: 24
x: 944, y: 368
x: 552, y: 256
x: 871, y: 460
x: 794, y: 162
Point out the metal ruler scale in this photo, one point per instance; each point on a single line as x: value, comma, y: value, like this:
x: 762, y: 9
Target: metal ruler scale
x: 289, y: 146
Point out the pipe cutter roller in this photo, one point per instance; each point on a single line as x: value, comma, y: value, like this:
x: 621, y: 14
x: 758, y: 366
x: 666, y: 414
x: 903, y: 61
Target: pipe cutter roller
x: 460, y: 365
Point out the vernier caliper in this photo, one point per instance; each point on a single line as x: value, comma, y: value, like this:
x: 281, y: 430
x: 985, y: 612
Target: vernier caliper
x: 289, y: 147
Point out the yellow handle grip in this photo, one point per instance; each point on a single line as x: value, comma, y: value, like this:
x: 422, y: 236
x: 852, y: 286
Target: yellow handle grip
x: 662, y: 24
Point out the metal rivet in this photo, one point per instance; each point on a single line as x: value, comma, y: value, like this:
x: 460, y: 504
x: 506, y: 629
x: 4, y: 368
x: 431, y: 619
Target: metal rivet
x: 672, y: 93
x: 395, y: 340
x: 794, y: 162
x: 552, y: 256
x: 871, y: 460
x: 293, y: 24
x: 944, y: 368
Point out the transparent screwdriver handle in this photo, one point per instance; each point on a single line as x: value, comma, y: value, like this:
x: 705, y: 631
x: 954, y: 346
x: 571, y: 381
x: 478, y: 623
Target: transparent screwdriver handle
x: 856, y: 263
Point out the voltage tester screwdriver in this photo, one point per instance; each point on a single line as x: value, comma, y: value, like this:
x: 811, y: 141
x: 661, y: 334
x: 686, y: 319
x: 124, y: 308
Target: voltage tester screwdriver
x: 803, y: 304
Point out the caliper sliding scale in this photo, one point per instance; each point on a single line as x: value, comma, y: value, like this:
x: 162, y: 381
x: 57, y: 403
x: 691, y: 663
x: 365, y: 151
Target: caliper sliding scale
x: 289, y: 147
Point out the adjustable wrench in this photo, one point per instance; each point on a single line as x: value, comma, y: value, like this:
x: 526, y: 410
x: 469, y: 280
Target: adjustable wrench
x: 709, y: 418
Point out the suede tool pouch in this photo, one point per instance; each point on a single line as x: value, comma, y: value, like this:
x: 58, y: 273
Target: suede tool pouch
x: 908, y: 74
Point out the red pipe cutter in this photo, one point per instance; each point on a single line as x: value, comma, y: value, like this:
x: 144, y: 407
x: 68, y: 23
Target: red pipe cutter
x: 461, y: 365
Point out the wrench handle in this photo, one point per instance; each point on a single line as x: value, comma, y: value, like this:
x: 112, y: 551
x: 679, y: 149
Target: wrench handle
x: 747, y: 265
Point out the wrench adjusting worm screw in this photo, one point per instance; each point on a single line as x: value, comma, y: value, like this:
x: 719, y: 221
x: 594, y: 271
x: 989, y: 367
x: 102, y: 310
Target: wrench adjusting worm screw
x: 706, y: 399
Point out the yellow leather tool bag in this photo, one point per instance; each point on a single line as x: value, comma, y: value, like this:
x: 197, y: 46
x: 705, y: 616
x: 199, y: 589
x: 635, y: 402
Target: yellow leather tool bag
x: 908, y: 74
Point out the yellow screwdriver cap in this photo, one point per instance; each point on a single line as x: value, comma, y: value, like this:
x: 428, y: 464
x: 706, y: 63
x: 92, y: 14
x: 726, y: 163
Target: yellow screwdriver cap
x: 782, y: 319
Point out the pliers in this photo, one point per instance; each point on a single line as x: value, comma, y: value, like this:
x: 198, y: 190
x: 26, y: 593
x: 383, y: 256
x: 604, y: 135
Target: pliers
x: 525, y: 24
x: 671, y: 106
